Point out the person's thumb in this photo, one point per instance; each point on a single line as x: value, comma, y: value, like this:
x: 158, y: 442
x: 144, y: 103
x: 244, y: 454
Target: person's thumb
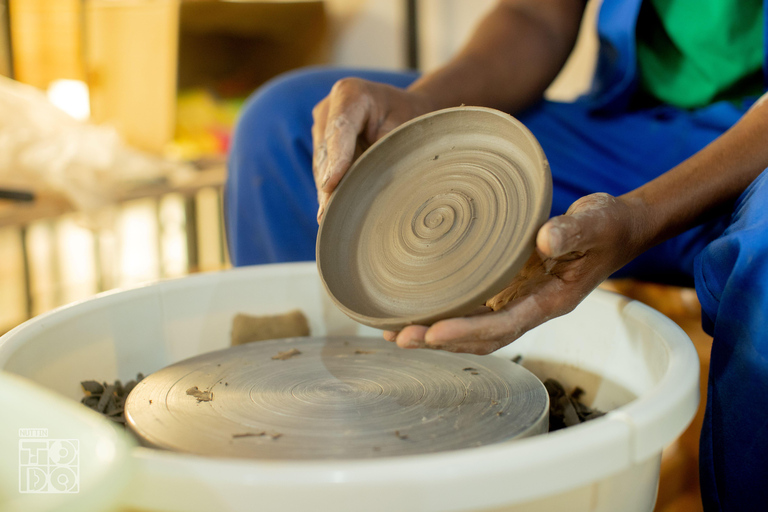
x: 578, y: 230
x: 559, y: 236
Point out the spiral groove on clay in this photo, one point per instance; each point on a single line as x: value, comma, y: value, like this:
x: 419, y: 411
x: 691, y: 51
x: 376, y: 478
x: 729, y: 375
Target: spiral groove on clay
x: 339, y: 398
x: 427, y: 228
x: 470, y: 213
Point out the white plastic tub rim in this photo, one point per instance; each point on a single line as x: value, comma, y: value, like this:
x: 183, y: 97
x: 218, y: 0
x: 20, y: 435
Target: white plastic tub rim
x: 621, y: 340
x: 56, y: 455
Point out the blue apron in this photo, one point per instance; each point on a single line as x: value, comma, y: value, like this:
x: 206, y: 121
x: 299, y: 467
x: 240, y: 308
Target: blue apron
x: 733, y: 456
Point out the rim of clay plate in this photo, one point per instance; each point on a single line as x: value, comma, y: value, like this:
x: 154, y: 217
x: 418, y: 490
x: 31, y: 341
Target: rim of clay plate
x: 541, y: 206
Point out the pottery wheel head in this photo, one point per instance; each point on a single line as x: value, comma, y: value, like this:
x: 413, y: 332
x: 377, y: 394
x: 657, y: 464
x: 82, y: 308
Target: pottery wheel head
x: 334, y: 398
x: 435, y: 218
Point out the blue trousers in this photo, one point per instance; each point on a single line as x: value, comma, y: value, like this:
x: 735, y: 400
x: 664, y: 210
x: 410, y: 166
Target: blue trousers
x: 271, y: 205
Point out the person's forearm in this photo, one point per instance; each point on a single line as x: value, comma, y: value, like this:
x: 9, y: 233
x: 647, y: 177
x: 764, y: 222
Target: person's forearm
x: 513, y: 56
x: 708, y: 183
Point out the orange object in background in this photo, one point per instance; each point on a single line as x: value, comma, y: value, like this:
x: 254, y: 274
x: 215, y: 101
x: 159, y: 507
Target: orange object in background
x: 128, y: 53
x: 204, y: 124
x: 124, y: 50
x: 226, y: 51
x: 46, y: 42
x: 131, y: 51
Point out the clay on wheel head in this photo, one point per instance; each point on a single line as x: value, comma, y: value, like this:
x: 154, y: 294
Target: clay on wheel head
x: 334, y: 398
x: 435, y: 218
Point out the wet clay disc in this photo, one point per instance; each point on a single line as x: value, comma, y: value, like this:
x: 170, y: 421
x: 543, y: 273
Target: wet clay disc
x: 334, y: 398
x: 435, y: 218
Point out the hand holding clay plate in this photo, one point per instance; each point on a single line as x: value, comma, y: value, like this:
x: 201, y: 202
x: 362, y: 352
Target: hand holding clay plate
x: 435, y: 218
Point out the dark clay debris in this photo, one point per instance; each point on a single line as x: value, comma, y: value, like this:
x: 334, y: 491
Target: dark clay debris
x: 567, y: 410
x: 248, y: 434
x: 108, y: 399
x: 92, y: 387
x: 257, y: 434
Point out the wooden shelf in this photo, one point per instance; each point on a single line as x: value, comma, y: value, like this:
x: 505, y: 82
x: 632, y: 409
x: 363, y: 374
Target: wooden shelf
x: 48, y: 203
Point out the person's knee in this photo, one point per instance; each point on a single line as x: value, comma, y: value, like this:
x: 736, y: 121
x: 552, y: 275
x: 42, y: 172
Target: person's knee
x: 730, y: 269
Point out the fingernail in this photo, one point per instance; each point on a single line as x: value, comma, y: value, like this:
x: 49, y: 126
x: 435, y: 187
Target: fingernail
x: 555, y: 240
x: 320, y: 213
x: 325, y: 180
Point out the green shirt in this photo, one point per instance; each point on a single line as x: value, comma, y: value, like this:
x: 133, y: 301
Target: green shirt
x: 691, y: 53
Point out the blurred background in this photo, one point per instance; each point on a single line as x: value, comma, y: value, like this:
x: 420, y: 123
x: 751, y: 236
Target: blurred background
x: 117, y: 118
x: 168, y: 78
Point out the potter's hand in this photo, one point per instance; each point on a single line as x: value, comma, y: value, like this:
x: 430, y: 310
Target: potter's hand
x: 355, y: 114
x: 574, y: 254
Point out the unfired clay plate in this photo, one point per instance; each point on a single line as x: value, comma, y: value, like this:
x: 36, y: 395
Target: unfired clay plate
x: 435, y: 218
x: 335, y: 398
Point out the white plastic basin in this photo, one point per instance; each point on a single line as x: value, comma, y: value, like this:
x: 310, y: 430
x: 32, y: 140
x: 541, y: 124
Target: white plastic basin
x: 630, y: 359
x: 56, y: 455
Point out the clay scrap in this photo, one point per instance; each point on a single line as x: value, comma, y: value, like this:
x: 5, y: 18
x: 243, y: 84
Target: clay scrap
x: 282, y: 356
x: 257, y: 434
x: 248, y: 328
x: 202, y: 396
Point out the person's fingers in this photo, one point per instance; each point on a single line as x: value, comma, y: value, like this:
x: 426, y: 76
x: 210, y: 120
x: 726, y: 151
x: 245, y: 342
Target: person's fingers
x: 506, y: 325
x: 480, y: 348
x: 319, y: 152
x: 488, y: 327
x: 414, y: 339
x: 559, y: 236
x: 347, y: 117
x: 322, y: 201
x: 481, y: 310
x: 572, y: 258
x: 378, y: 128
x: 416, y: 332
x: 580, y: 229
x: 411, y: 336
x: 319, y: 147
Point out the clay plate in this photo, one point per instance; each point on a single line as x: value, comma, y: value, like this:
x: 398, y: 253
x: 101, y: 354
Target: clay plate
x: 334, y: 398
x: 435, y: 218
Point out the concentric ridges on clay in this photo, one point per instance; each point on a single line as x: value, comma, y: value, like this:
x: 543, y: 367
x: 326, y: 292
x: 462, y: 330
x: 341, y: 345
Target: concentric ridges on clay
x: 475, y: 204
x: 337, y: 398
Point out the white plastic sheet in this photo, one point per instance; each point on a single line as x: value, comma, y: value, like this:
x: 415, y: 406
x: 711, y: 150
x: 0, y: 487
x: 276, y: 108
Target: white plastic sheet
x: 42, y: 146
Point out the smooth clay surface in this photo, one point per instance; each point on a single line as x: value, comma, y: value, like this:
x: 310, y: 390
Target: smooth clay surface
x: 435, y: 218
x: 335, y: 398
